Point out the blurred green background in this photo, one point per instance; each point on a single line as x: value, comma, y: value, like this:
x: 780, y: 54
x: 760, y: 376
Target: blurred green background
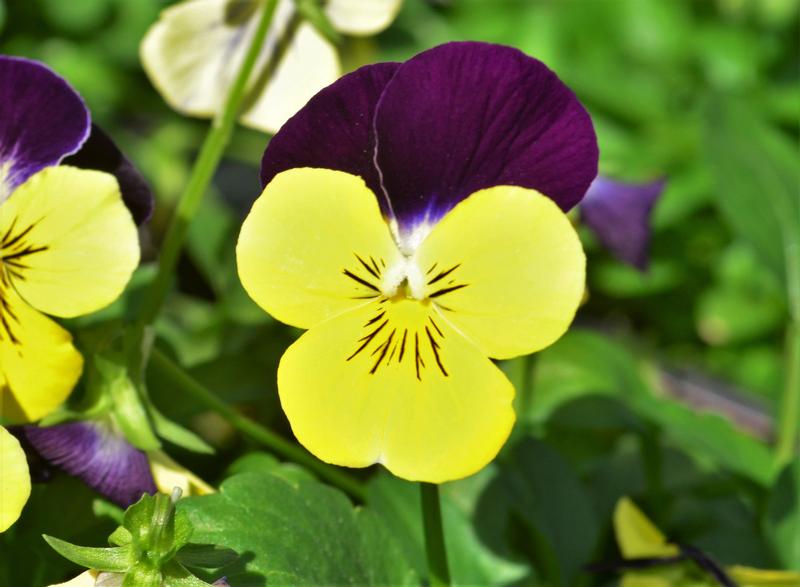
x: 704, y: 93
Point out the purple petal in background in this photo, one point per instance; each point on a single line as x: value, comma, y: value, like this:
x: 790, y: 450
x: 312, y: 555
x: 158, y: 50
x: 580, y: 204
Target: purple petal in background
x: 334, y: 130
x: 466, y: 116
x: 42, y: 119
x: 92, y: 452
x: 619, y: 214
x: 101, y: 153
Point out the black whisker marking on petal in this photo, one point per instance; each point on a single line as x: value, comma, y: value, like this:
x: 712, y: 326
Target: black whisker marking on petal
x: 374, y: 264
x: 358, y: 279
x: 365, y: 340
x: 383, y: 353
x: 376, y: 318
x: 447, y: 290
x: 429, y: 271
x: 443, y: 274
x: 367, y: 297
x: 435, y: 326
x: 435, y: 348
x: 383, y: 263
x: 394, y: 349
x: 403, y: 346
x: 367, y: 267
x: 28, y: 250
x: 417, y: 356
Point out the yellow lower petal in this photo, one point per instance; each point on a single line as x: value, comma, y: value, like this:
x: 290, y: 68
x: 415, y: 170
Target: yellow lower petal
x: 168, y: 475
x: 15, y: 479
x: 38, y: 364
x: 637, y: 536
x: 85, y: 579
x: 507, y: 267
x: 314, y: 245
x: 392, y: 382
x: 69, y: 243
x: 750, y: 577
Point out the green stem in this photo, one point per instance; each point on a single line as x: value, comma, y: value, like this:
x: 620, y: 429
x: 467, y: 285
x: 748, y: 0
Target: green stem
x: 289, y: 450
x: 438, y: 572
x: 789, y: 423
x: 202, y: 172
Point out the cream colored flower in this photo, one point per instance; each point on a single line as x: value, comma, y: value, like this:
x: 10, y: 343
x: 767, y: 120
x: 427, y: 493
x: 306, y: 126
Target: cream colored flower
x: 193, y: 52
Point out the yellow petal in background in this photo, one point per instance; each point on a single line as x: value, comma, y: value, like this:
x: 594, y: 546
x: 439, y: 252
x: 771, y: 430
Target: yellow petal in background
x: 508, y: 268
x: 38, y: 364
x: 314, y: 245
x: 168, y: 475
x: 362, y: 17
x: 749, y: 577
x: 393, y: 383
x: 69, y: 244
x: 637, y: 536
x: 193, y: 52
x: 15, y: 480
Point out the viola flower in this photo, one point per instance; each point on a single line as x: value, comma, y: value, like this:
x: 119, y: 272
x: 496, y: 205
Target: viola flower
x: 100, y: 456
x: 15, y: 481
x: 619, y: 215
x: 193, y: 52
x: 68, y: 244
x: 413, y: 222
x: 644, y: 545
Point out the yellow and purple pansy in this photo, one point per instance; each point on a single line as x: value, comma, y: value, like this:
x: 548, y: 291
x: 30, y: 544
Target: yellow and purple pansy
x: 68, y: 243
x: 413, y: 221
x: 69, y: 204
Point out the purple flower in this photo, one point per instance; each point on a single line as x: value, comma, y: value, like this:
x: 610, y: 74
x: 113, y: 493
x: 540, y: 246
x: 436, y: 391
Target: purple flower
x: 97, y: 455
x: 619, y: 214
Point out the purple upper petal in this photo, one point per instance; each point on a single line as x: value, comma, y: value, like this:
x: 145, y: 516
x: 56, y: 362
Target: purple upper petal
x: 334, y: 130
x: 42, y: 119
x: 619, y: 214
x: 96, y: 455
x: 467, y: 116
x: 101, y: 153
x: 452, y: 120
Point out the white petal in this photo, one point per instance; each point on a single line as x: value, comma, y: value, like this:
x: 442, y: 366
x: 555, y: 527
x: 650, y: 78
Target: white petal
x: 362, y: 17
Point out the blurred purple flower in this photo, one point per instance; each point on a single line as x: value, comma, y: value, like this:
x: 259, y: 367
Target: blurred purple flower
x: 619, y: 215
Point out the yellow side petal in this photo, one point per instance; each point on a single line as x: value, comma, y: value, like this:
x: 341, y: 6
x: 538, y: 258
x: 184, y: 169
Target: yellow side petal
x: 362, y: 17
x: 750, y: 577
x: 193, y: 52
x: 393, y: 383
x: 507, y: 268
x: 314, y: 245
x: 637, y: 536
x: 168, y: 475
x: 15, y: 479
x: 38, y: 364
x: 69, y: 243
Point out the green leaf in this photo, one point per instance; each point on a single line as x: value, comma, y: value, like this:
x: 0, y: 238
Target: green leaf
x: 476, y: 555
x: 782, y: 521
x: 110, y: 373
x: 757, y: 173
x: 206, y: 556
x: 546, y: 494
x: 261, y: 462
x: 175, y: 575
x: 116, y: 559
x: 177, y: 434
x: 301, y: 533
x: 583, y: 363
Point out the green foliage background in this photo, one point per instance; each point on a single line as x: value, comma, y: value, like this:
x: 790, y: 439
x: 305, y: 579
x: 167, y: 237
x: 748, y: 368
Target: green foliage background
x: 705, y: 93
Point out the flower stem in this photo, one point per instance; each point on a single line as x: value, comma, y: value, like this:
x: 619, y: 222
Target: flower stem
x: 789, y: 423
x: 207, y: 161
x: 186, y: 383
x: 438, y: 572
